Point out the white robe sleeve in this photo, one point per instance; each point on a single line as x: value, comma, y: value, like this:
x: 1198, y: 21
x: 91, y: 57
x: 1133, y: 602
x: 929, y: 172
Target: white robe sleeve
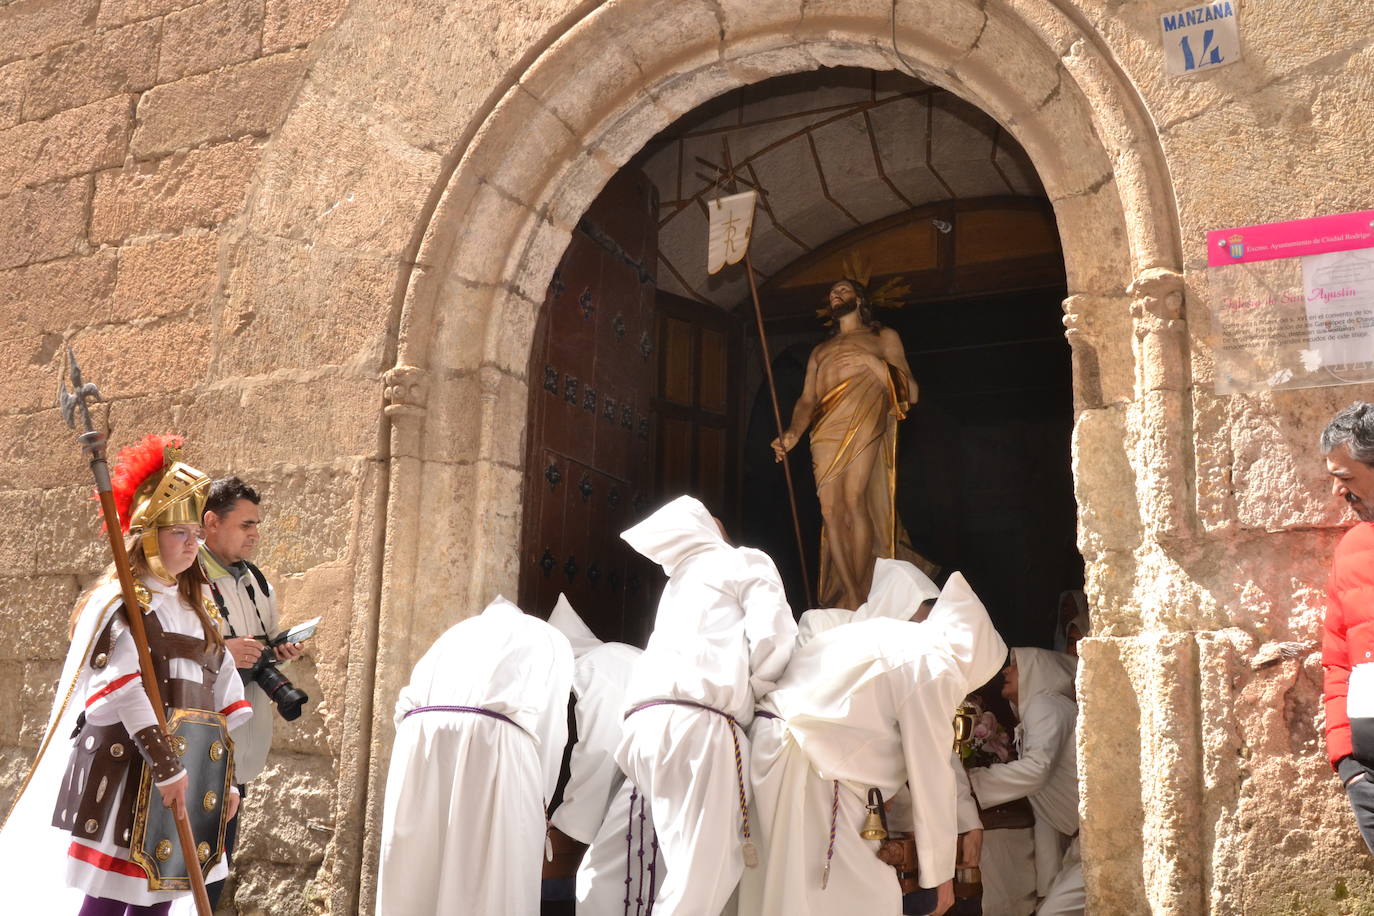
x: 925, y: 718
x: 966, y: 808
x: 552, y: 725
x: 229, y: 699
x: 768, y: 622
x: 592, y: 771
x: 1044, y: 726
x: 115, y: 693
x: 900, y: 815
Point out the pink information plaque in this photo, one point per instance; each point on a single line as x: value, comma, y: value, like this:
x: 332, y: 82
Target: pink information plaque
x: 1294, y: 239
x: 1293, y: 303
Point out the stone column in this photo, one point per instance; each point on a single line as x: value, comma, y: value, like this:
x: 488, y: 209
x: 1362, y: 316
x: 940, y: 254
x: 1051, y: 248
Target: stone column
x: 406, y: 394
x: 1160, y: 415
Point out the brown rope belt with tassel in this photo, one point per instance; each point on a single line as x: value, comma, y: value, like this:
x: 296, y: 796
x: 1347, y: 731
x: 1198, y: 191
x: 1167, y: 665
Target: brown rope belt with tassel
x: 748, y: 850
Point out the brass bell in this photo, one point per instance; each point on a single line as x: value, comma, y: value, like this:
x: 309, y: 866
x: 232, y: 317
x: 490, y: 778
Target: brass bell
x: 874, y: 827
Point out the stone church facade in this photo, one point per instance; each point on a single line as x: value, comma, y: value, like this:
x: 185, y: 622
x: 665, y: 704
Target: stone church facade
x: 314, y: 237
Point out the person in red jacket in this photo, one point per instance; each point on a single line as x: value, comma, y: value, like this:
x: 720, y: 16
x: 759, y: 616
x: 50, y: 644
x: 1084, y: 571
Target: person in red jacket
x: 1348, y: 643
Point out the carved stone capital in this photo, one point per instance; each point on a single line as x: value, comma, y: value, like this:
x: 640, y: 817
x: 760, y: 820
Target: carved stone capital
x: 1160, y: 331
x: 406, y: 390
x: 1075, y: 319
x: 1158, y: 293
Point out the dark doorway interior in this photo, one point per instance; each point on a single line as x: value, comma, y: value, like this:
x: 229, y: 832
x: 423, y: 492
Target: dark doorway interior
x: 646, y: 374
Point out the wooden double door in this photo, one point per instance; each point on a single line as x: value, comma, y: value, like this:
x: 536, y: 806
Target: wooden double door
x: 630, y: 405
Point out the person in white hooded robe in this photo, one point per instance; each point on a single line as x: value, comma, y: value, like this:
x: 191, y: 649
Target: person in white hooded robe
x: 480, y: 731
x: 819, y: 619
x: 866, y: 705
x: 722, y: 635
x: 900, y: 591
x: 1039, y: 685
x: 600, y: 806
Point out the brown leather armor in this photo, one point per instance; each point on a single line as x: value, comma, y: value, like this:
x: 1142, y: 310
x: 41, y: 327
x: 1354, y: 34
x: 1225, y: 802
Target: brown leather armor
x: 103, y: 756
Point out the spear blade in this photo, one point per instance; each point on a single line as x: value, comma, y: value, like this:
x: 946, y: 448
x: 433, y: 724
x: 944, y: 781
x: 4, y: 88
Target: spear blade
x: 80, y: 396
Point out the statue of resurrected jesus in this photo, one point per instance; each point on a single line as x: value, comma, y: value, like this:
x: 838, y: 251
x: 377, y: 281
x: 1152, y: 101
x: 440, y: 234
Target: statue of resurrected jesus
x: 858, y: 385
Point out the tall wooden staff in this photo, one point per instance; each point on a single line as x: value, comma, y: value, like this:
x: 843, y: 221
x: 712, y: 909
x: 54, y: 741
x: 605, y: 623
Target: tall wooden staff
x: 93, y: 444
x: 724, y: 247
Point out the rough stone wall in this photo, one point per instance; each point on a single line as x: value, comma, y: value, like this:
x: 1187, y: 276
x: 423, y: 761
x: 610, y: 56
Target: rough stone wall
x: 1214, y: 550
x: 332, y: 243
x: 130, y: 135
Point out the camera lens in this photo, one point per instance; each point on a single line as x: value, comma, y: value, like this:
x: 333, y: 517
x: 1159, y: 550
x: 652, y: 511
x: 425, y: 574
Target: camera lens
x: 289, y: 700
x: 288, y: 697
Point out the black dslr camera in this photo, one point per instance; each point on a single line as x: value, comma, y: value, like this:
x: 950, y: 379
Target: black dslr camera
x: 288, y: 697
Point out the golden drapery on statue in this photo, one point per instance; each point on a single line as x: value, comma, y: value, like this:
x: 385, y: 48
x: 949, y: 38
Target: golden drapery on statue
x: 859, y: 413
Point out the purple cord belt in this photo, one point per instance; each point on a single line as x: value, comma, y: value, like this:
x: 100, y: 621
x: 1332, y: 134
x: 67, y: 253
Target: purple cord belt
x: 765, y: 714
x: 692, y: 703
x: 474, y: 709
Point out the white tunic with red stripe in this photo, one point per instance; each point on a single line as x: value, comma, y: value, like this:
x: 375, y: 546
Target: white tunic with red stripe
x: 102, y: 868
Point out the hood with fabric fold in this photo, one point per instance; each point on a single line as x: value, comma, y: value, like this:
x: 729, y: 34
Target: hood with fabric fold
x: 1080, y: 618
x: 897, y: 591
x: 677, y: 531
x: 818, y: 620
x: 566, y: 621
x: 502, y: 605
x: 973, y: 641
x: 1042, y: 671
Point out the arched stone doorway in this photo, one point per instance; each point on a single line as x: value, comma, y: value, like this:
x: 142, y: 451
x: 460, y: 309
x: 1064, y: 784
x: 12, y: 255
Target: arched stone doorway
x: 606, y: 79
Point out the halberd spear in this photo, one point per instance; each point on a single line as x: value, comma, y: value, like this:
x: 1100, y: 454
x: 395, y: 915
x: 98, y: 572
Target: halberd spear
x: 93, y: 444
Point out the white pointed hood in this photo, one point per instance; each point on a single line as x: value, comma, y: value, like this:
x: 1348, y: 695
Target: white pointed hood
x: 897, y: 591
x: 501, y: 605
x: 1042, y: 671
x: 679, y: 530
x: 968, y: 631
x: 817, y: 620
x: 566, y: 621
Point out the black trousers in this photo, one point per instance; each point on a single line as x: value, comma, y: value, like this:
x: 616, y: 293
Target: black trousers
x: 231, y: 835
x: 919, y: 903
x: 1361, y: 795
x: 922, y: 903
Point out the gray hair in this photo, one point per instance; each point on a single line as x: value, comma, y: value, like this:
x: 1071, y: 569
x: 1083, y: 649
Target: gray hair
x: 1353, y: 428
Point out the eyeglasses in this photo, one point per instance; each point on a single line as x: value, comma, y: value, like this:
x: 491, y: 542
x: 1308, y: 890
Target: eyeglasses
x: 185, y: 533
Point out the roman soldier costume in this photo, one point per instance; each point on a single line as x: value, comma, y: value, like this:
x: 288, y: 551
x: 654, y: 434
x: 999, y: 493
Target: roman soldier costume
x: 120, y: 840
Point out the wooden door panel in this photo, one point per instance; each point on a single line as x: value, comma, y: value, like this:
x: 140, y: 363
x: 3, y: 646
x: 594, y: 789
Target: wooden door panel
x: 713, y: 372
x: 569, y: 327
x: 676, y: 360
x: 545, y: 550
x: 711, y: 466
x: 675, y: 456
x: 591, y: 417
x: 696, y: 411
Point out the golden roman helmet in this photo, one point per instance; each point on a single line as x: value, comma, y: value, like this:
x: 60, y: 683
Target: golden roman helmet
x: 155, y: 489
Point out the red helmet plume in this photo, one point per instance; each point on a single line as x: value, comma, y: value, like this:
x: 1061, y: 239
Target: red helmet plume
x: 133, y: 465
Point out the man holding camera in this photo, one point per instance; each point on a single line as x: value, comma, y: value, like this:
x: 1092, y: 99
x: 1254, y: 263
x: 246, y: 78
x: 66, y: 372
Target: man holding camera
x: 248, y: 622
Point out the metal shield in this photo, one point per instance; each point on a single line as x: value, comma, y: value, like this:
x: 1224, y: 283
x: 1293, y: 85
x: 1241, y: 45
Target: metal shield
x: 201, y: 740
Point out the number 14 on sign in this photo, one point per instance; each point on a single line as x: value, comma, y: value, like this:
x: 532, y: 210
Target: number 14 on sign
x: 1200, y: 38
